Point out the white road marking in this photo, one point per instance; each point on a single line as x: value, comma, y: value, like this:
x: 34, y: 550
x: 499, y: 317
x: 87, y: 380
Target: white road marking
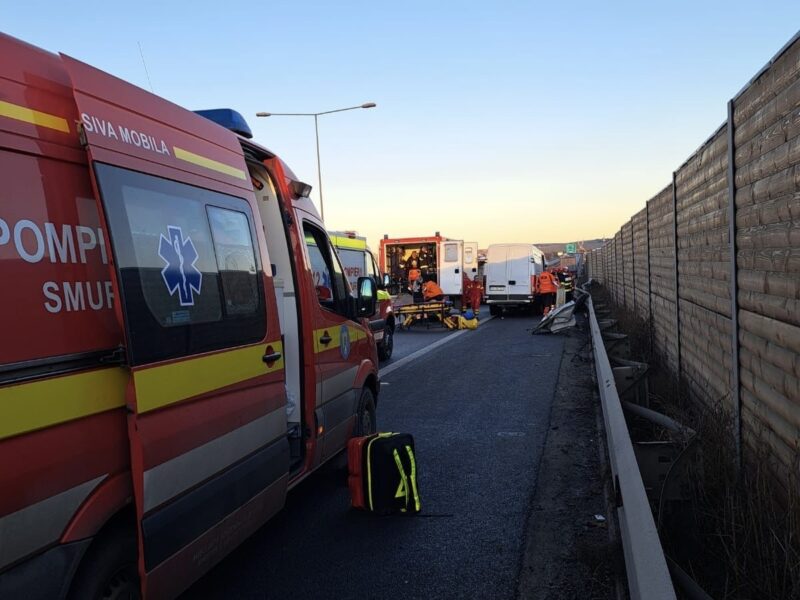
x: 423, y: 351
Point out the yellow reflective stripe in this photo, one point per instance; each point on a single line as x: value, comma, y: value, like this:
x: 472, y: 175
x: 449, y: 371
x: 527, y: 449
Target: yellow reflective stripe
x: 403, y: 478
x: 161, y: 386
x: 335, y: 333
x: 35, y: 117
x: 208, y: 163
x: 413, y: 477
x: 29, y: 406
x: 348, y: 243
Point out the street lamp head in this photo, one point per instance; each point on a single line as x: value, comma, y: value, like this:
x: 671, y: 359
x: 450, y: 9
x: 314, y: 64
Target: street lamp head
x: 368, y: 105
x: 263, y: 114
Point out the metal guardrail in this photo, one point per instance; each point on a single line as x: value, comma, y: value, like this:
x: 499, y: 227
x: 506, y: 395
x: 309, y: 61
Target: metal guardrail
x: 645, y: 564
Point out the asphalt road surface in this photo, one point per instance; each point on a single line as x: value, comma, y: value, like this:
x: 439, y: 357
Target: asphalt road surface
x: 421, y: 335
x: 479, y: 408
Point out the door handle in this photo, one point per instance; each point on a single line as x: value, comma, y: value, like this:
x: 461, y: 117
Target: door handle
x: 457, y: 271
x: 268, y: 358
x: 325, y: 339
x: 512, y: 282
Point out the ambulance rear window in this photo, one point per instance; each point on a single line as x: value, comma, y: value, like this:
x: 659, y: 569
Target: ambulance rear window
x: 235, y: 259
x: 188, y: 267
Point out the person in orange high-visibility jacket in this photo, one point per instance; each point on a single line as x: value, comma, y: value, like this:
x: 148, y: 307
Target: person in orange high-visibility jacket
x: 431, y: 291
x: 548, y: 286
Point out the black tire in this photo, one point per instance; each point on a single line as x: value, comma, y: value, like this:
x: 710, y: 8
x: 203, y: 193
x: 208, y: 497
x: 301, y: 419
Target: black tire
x: 109, y: 571
x: 367, y: 422
x: 386, y: 347
x: 494, y: 310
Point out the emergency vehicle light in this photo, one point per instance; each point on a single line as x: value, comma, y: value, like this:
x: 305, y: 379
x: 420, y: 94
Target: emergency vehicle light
x: 229, y: 119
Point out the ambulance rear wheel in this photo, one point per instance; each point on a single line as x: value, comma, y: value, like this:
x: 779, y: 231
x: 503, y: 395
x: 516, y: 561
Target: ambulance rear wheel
x: 386, y: 346
x: 109, y: 570
x: 367, y: 422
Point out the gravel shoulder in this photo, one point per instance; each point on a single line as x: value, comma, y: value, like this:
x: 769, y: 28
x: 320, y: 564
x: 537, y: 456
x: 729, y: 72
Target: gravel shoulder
x: 568, y: 553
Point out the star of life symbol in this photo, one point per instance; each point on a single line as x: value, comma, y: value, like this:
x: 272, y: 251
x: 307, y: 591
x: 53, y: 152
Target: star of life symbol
x: 179, y: 273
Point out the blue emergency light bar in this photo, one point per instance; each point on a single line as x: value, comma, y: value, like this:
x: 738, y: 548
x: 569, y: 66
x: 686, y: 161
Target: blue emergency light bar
x: 229, y: 119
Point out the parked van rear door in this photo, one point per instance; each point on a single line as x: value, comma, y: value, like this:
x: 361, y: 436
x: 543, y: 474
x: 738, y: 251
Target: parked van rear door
x: 497, y: 272
x: 450, y: 267
x: 206, y: 399
x: 519, y: 271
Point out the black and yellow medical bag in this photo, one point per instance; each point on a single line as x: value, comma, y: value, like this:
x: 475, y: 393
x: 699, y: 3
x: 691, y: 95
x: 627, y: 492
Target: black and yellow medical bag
x: 383, y: 473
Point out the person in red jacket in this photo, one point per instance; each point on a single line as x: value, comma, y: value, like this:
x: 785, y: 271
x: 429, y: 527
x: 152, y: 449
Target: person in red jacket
x: 475, y: 295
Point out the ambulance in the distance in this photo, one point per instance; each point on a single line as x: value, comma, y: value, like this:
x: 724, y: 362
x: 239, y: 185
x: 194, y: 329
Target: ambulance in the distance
x: 358, y: 261
x: 448, y: 262
x: 169, y: 366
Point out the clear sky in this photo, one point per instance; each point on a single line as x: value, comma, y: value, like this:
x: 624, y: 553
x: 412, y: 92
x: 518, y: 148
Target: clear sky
x: 496, y: 121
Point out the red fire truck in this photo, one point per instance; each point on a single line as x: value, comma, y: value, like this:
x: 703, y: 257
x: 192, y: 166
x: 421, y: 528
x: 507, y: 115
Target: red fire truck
x: 446, y: 261
x: 169, y: 364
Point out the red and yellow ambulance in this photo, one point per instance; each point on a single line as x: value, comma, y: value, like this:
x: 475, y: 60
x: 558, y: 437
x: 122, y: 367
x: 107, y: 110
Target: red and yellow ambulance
x: 448, y: 262
x: 169, y: 366
x: 358, y: 261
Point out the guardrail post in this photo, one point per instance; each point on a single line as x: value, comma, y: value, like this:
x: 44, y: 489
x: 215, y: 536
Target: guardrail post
x: 736, y: 395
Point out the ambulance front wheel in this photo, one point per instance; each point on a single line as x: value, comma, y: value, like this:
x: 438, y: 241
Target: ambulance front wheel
x: 367, y: 422
x: 386, y: 347
x: 109, y: 569
x: 494, y: 310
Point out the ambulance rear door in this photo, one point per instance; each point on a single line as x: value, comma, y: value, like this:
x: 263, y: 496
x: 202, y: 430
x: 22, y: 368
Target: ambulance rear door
x: 206, y: 396
x: 450, y: 266
x: 471, y: 260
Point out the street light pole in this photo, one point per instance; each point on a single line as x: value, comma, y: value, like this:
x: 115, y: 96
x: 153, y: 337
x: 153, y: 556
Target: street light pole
x: 316, y: 133
x: 319, y: 170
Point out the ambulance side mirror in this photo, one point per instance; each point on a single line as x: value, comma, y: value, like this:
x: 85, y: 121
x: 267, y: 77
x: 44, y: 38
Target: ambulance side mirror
x: 366, y: 301
x: 386, y: 281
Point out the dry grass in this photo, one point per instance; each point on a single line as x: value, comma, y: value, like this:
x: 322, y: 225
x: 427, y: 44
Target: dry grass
x: 739, y: 532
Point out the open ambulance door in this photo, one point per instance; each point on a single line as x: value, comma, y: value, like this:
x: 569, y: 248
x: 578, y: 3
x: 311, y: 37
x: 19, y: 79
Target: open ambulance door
x: 470, y: 260
x: 209, y: 457
x: 450, y: 267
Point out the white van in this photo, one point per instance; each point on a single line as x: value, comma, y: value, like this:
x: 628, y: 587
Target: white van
x: 511, y: 272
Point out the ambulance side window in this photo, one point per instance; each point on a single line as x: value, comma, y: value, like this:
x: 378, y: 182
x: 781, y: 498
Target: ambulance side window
x: 450, y: 252
x: 327, y: 273
x: 189, y: 273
